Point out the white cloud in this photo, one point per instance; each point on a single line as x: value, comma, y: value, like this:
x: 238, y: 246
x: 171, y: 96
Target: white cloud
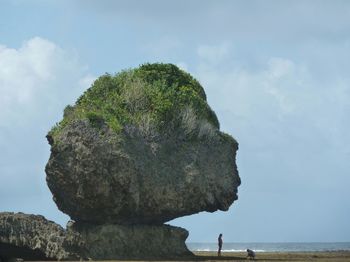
x: 293, y: 131
x: 274, y: 96
x: 282, y: 79
x: 87, y: 81
x: 214, y: 54
x: 279, y: 67
x: 37, y: 79
x: 253, y: 20
x: 163, y: 46
x: 182, y: 65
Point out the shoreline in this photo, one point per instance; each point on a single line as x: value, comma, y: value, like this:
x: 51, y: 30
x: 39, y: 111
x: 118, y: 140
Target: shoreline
x: 332, y: 256
x: 211, y: 256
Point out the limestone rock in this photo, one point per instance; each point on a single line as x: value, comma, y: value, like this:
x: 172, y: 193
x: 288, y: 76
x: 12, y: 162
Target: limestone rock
x: 128, y: 242
x: 32, y: 237
x: 142, y: 147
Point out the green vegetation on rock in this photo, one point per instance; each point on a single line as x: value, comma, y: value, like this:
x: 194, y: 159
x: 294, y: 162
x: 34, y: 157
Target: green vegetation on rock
x: 153, y: 97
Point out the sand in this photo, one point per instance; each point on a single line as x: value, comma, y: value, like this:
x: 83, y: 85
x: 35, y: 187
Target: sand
x: 265, y: 256
x: 338, y: 256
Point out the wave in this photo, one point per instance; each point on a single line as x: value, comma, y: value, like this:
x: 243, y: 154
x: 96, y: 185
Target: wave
x: 225, y: 250
x: 272, y: 247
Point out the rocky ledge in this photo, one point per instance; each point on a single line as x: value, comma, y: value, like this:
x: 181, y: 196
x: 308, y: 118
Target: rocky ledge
x: 32, y: 237
x: 110, y: 241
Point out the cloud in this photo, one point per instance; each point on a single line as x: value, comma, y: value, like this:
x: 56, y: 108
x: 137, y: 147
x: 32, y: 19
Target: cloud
x: 214, y: 54
x: 277, y: 87
x: 234, y: 20
x: 293, y: 134
x: 279, y: 105
x: 37, y: 81
x: 163, y: 46
x: 182, y: 65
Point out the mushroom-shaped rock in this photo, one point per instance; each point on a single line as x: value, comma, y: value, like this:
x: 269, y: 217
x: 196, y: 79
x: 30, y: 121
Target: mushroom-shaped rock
x: 141, y: 147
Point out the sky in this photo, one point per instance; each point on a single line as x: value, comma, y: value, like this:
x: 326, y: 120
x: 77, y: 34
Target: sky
x: 275, y: 72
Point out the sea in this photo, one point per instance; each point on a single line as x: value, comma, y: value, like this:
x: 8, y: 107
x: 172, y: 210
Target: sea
x: 272, y: 247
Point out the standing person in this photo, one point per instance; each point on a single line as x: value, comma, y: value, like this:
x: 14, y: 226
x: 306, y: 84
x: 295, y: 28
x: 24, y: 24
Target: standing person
x: 220, y: 245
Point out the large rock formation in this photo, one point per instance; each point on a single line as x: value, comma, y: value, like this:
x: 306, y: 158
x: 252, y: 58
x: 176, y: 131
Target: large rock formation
x: 141, y: 147
x: 136, y: 150
x: 95, y: 178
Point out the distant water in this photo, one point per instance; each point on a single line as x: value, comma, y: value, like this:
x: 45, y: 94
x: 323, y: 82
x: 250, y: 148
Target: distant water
x: 272, y: 247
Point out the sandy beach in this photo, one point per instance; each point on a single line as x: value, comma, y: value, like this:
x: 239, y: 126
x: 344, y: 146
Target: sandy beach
x: 336, y: 256
x: 277, y: 256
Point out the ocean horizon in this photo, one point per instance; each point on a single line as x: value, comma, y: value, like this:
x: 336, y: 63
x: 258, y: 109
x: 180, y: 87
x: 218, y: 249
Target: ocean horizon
x: 272, y: 247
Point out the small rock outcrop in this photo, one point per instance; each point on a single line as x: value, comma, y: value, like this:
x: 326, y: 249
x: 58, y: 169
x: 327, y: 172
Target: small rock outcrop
x: 32, y: 237
x: 141, y: 147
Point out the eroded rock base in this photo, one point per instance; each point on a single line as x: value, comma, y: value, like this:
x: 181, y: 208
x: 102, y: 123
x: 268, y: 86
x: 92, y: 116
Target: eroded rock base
x: 128, y: 242
x: 9, y: 252
x: 32, y: 237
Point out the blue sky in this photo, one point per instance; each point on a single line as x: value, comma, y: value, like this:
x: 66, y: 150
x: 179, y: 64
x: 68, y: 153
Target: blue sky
x: 275, y: 72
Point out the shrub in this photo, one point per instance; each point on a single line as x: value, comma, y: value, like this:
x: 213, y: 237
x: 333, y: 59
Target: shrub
x: 154, y: 98
x: 188, y: 120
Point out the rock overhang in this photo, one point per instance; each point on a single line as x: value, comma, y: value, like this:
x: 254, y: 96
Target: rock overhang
x: 154, y: 153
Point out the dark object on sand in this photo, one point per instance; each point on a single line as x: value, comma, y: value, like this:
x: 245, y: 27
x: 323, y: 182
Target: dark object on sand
x: 250, y: 254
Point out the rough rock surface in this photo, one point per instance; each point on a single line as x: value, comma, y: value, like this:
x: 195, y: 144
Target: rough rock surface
x: 32, y: 237
x: 98, y: 178
x: 128, y: 242
x: 136, y: 150
x: 141, y: 147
